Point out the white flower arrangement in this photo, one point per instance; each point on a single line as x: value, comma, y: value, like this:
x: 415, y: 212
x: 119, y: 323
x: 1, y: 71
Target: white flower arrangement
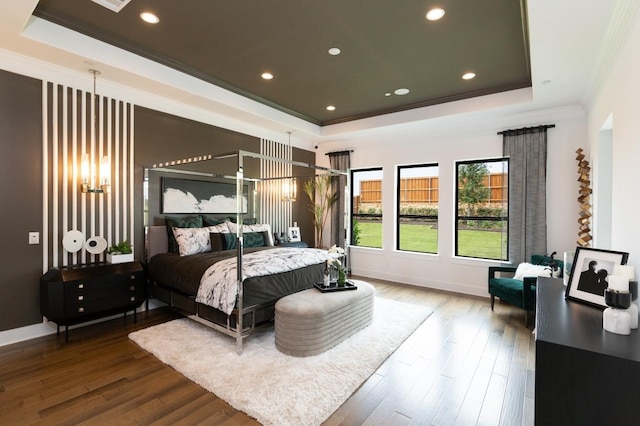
x: 335, y: 254
x: 336, y: 250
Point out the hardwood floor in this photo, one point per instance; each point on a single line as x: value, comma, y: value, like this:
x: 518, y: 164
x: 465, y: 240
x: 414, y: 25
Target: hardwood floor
x: 465, y: 365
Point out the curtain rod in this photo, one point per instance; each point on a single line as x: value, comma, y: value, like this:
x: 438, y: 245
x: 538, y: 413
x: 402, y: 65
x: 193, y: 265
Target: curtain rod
x: 523, y: 129
x: 339, y: 152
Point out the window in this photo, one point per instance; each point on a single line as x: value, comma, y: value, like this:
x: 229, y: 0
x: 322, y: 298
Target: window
x: 482, y: 218
x: 417, y: 198
x: 366, y: 207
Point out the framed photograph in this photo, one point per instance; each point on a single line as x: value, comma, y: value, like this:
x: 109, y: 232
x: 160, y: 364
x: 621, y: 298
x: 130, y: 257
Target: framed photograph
x: 294, y: 233
x: 589, y: 272
x: 199, y: 196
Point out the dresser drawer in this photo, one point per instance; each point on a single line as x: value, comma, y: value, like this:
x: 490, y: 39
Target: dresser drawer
x: 76, y: 294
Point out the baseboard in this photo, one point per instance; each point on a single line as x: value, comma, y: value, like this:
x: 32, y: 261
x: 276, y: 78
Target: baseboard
x: 46, y: 328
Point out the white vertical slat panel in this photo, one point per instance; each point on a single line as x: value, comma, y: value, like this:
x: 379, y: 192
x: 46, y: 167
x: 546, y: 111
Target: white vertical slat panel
x: 272, y: 209
x: 99, y: 154
x: 124, y: 167
x: 45, y: 176
x: 131, y: 174
x: 54, y: 170
x: 65, y: 162
x: 93, y: 163
x: 116, y: 178
x: 75, y: 176
x: 109, y: 229
x: 84, y: 150
x: 97, y: 130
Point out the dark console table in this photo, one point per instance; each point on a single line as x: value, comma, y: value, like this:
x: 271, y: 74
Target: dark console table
x: 74, y: 294
x: 584, y: 375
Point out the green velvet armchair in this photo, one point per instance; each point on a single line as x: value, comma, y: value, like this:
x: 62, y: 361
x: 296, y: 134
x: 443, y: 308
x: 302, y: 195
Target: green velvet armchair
x: 521, y: 293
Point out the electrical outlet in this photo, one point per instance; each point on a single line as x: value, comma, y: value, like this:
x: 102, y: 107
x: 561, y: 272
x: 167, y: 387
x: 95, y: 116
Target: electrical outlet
x: 34, y: 238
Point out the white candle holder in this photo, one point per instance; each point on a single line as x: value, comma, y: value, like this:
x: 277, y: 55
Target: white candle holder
x: 617, y: 319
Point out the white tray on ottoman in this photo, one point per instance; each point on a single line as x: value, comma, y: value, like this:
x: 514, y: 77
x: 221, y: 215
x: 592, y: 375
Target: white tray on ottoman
x: 310, y: 322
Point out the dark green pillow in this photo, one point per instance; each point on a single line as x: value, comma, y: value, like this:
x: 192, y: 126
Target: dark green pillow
x: 251, y: 239
x: 211, y: 221
x: 180, y: 222
x: 230, y: 241
x: 254, y: 239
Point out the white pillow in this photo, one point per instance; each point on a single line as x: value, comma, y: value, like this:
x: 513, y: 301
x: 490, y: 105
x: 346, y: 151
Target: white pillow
x: 195, y: 240
x: 221, y: 228
x: 260, y: 227
x: 530, y: 270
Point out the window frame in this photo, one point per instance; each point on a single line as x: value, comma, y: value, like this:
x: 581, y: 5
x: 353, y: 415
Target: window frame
x: 354, y: 215
x: 398, y: 215
x: 502, y: 218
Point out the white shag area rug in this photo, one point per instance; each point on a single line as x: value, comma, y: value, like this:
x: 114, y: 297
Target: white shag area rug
x: 274, y: 388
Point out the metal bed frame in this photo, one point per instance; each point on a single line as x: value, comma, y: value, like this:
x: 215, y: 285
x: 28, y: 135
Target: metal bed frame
x: 197, y: 311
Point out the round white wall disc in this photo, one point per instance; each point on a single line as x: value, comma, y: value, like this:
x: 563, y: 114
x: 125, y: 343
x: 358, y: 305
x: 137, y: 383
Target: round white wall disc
x: 73, y: 241
x: 95, y: 245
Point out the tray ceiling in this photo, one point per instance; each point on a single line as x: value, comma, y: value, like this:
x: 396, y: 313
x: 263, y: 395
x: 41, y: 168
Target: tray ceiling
x: 384, y: 45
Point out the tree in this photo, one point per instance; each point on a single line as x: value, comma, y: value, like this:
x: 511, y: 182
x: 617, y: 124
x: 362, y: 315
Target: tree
x: 473, y: 190
x: 322, y: 199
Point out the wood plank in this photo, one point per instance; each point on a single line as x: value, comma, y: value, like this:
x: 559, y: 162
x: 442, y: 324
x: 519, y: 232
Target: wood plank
x: 464, y: 365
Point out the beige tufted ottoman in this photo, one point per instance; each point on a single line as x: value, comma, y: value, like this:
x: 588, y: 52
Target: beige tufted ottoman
x: 310, y: 322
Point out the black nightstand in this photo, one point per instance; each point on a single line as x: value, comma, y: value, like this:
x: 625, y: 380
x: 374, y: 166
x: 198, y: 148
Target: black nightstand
x: 75, y: 294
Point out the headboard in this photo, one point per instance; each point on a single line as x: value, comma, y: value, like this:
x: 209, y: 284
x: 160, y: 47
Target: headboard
x: 157, y: 241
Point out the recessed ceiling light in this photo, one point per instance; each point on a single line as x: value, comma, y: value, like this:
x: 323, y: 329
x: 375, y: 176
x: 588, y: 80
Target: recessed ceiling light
x: 401, y: 91
x: 149, y: 17
x: 435, y: 14
x: 331, y: 108
x: 267, y: 75
x: 468, y: 75
x: 334, y: 51
x: 387, y: 94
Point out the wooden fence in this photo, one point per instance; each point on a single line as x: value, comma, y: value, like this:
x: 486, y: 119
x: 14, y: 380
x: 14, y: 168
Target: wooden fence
x: 424, y: 191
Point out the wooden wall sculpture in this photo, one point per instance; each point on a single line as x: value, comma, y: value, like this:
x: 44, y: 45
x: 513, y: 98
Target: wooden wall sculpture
x: 584, y: 198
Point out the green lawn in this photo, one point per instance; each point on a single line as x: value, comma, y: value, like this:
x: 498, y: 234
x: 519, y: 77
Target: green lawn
x: 424, y: 238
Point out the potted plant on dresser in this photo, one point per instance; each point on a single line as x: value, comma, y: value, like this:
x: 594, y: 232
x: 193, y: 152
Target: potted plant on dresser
x: 120, y: 253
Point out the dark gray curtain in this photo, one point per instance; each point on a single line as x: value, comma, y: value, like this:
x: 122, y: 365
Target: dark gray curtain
x: 339, y: 161
x: 527, y: 152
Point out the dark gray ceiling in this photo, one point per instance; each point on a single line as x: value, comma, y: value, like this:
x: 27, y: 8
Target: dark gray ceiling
x: 386, y: 45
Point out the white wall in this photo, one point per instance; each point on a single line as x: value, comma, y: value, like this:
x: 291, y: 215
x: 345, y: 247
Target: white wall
x: 445, y: 141
x: 618, y: 98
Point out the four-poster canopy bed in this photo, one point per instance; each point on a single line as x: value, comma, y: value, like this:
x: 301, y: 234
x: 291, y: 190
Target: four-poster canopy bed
x: 226, y: 274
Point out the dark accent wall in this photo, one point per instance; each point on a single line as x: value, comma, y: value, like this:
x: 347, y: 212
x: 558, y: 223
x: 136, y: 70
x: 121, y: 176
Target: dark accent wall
x: 21, y: 195
x: 158, y: 137
x: 161, y: 137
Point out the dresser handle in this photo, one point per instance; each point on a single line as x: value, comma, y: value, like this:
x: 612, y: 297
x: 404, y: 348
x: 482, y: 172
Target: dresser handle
x: 80, y: 285
x: 80, y: 297
x: 133, y: 298
x: 132, y: 277
x: 80, y: 309
x: 132, y: 288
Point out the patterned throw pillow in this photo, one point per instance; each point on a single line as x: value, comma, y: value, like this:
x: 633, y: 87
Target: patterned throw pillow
x: 194, y: 240
x: 180, y: 222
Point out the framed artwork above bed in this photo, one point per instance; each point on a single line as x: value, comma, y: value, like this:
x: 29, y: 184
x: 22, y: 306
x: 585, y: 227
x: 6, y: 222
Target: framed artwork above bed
x: 198, y: 196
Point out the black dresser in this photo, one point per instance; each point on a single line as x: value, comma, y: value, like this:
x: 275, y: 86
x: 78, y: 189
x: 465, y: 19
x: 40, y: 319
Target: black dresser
x: 584, y: 375
x: 74, y: 294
